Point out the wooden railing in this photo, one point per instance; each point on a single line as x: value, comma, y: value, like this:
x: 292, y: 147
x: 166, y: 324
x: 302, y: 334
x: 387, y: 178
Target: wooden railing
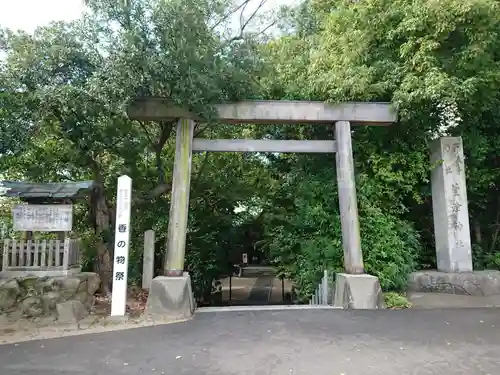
x: 43, y: 257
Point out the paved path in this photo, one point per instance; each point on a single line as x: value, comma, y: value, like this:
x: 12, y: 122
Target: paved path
x: 316, y: 342
x: 254, y: 290
x: 261, y: 291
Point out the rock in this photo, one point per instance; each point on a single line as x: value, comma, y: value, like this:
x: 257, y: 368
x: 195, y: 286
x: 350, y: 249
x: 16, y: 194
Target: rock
x: 32, y: 307
x: 49, y: 302
x: 33, y: 296
x: 27, y: 282
x: 70, y: 283
x: 93, y: 282
x: 71, y: 312
x: 85, y: 282
x: 9, y: 292
x: 47, y: 284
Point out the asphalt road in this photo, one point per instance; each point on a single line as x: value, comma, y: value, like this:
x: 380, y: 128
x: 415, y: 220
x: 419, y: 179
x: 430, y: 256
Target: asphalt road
x: 316, y: 342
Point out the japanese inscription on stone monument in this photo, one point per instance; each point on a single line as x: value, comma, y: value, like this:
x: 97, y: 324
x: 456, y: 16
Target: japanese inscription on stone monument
x: 454, y: 166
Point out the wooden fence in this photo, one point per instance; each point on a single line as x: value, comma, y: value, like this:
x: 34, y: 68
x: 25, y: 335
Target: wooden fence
x: 45, y: 257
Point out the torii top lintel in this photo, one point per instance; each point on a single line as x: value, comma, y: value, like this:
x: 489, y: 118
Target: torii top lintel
x: 270, y: 112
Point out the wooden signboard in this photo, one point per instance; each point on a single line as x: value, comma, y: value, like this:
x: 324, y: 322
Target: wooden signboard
x: 43, y: 217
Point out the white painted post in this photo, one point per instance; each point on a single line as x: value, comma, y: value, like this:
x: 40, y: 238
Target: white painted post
x: 122, y: 239
x: 148, y: 259
x: 349, y: 222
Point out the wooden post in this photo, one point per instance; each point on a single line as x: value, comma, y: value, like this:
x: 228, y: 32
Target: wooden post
x: 35, y: 253
x: 13, y: 260
x: 43, y: 260
x: 148, y: 259
x: 353, y: 257
x: 29, y: 244
x: 179, y: 204
x: 21, y: 253
x: 5, y: 259
x: 57, y: 253
x: 67, y: 242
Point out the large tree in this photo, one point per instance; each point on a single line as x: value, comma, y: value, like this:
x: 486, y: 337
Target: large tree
x: 65, y: 87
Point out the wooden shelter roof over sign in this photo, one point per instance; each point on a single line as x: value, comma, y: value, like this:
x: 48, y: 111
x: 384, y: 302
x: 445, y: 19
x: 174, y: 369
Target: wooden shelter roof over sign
x: 28, y: 191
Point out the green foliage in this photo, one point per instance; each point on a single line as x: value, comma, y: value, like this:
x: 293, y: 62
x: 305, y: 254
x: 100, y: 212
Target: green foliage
x: 396, y: 301
x: 304, y: 235
x: 390, y: 246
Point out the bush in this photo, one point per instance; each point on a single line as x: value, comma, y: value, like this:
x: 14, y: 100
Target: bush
x: 395, y: 300
x: 390, y: 247
x: 306, y: 238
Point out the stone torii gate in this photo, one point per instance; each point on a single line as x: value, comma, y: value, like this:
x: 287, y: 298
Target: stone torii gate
x: 170, y: 294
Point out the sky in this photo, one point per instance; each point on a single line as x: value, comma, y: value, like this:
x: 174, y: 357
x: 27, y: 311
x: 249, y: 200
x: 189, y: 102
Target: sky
x: 29, y: 14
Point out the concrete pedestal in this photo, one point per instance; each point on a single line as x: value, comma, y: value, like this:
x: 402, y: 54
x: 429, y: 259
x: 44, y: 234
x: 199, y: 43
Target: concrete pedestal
x: 476, y: 283
x: 449, y: 204
x: 358, y: 292
x: 171, y: 297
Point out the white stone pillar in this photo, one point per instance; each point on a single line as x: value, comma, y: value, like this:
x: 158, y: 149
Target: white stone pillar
x: 449, y: 205
x: 148, y: 259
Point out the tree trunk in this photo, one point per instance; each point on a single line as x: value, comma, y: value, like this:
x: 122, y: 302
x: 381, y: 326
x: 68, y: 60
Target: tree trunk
x: 104, y: 237
x: 101, y: 215
x: 477, y: 232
